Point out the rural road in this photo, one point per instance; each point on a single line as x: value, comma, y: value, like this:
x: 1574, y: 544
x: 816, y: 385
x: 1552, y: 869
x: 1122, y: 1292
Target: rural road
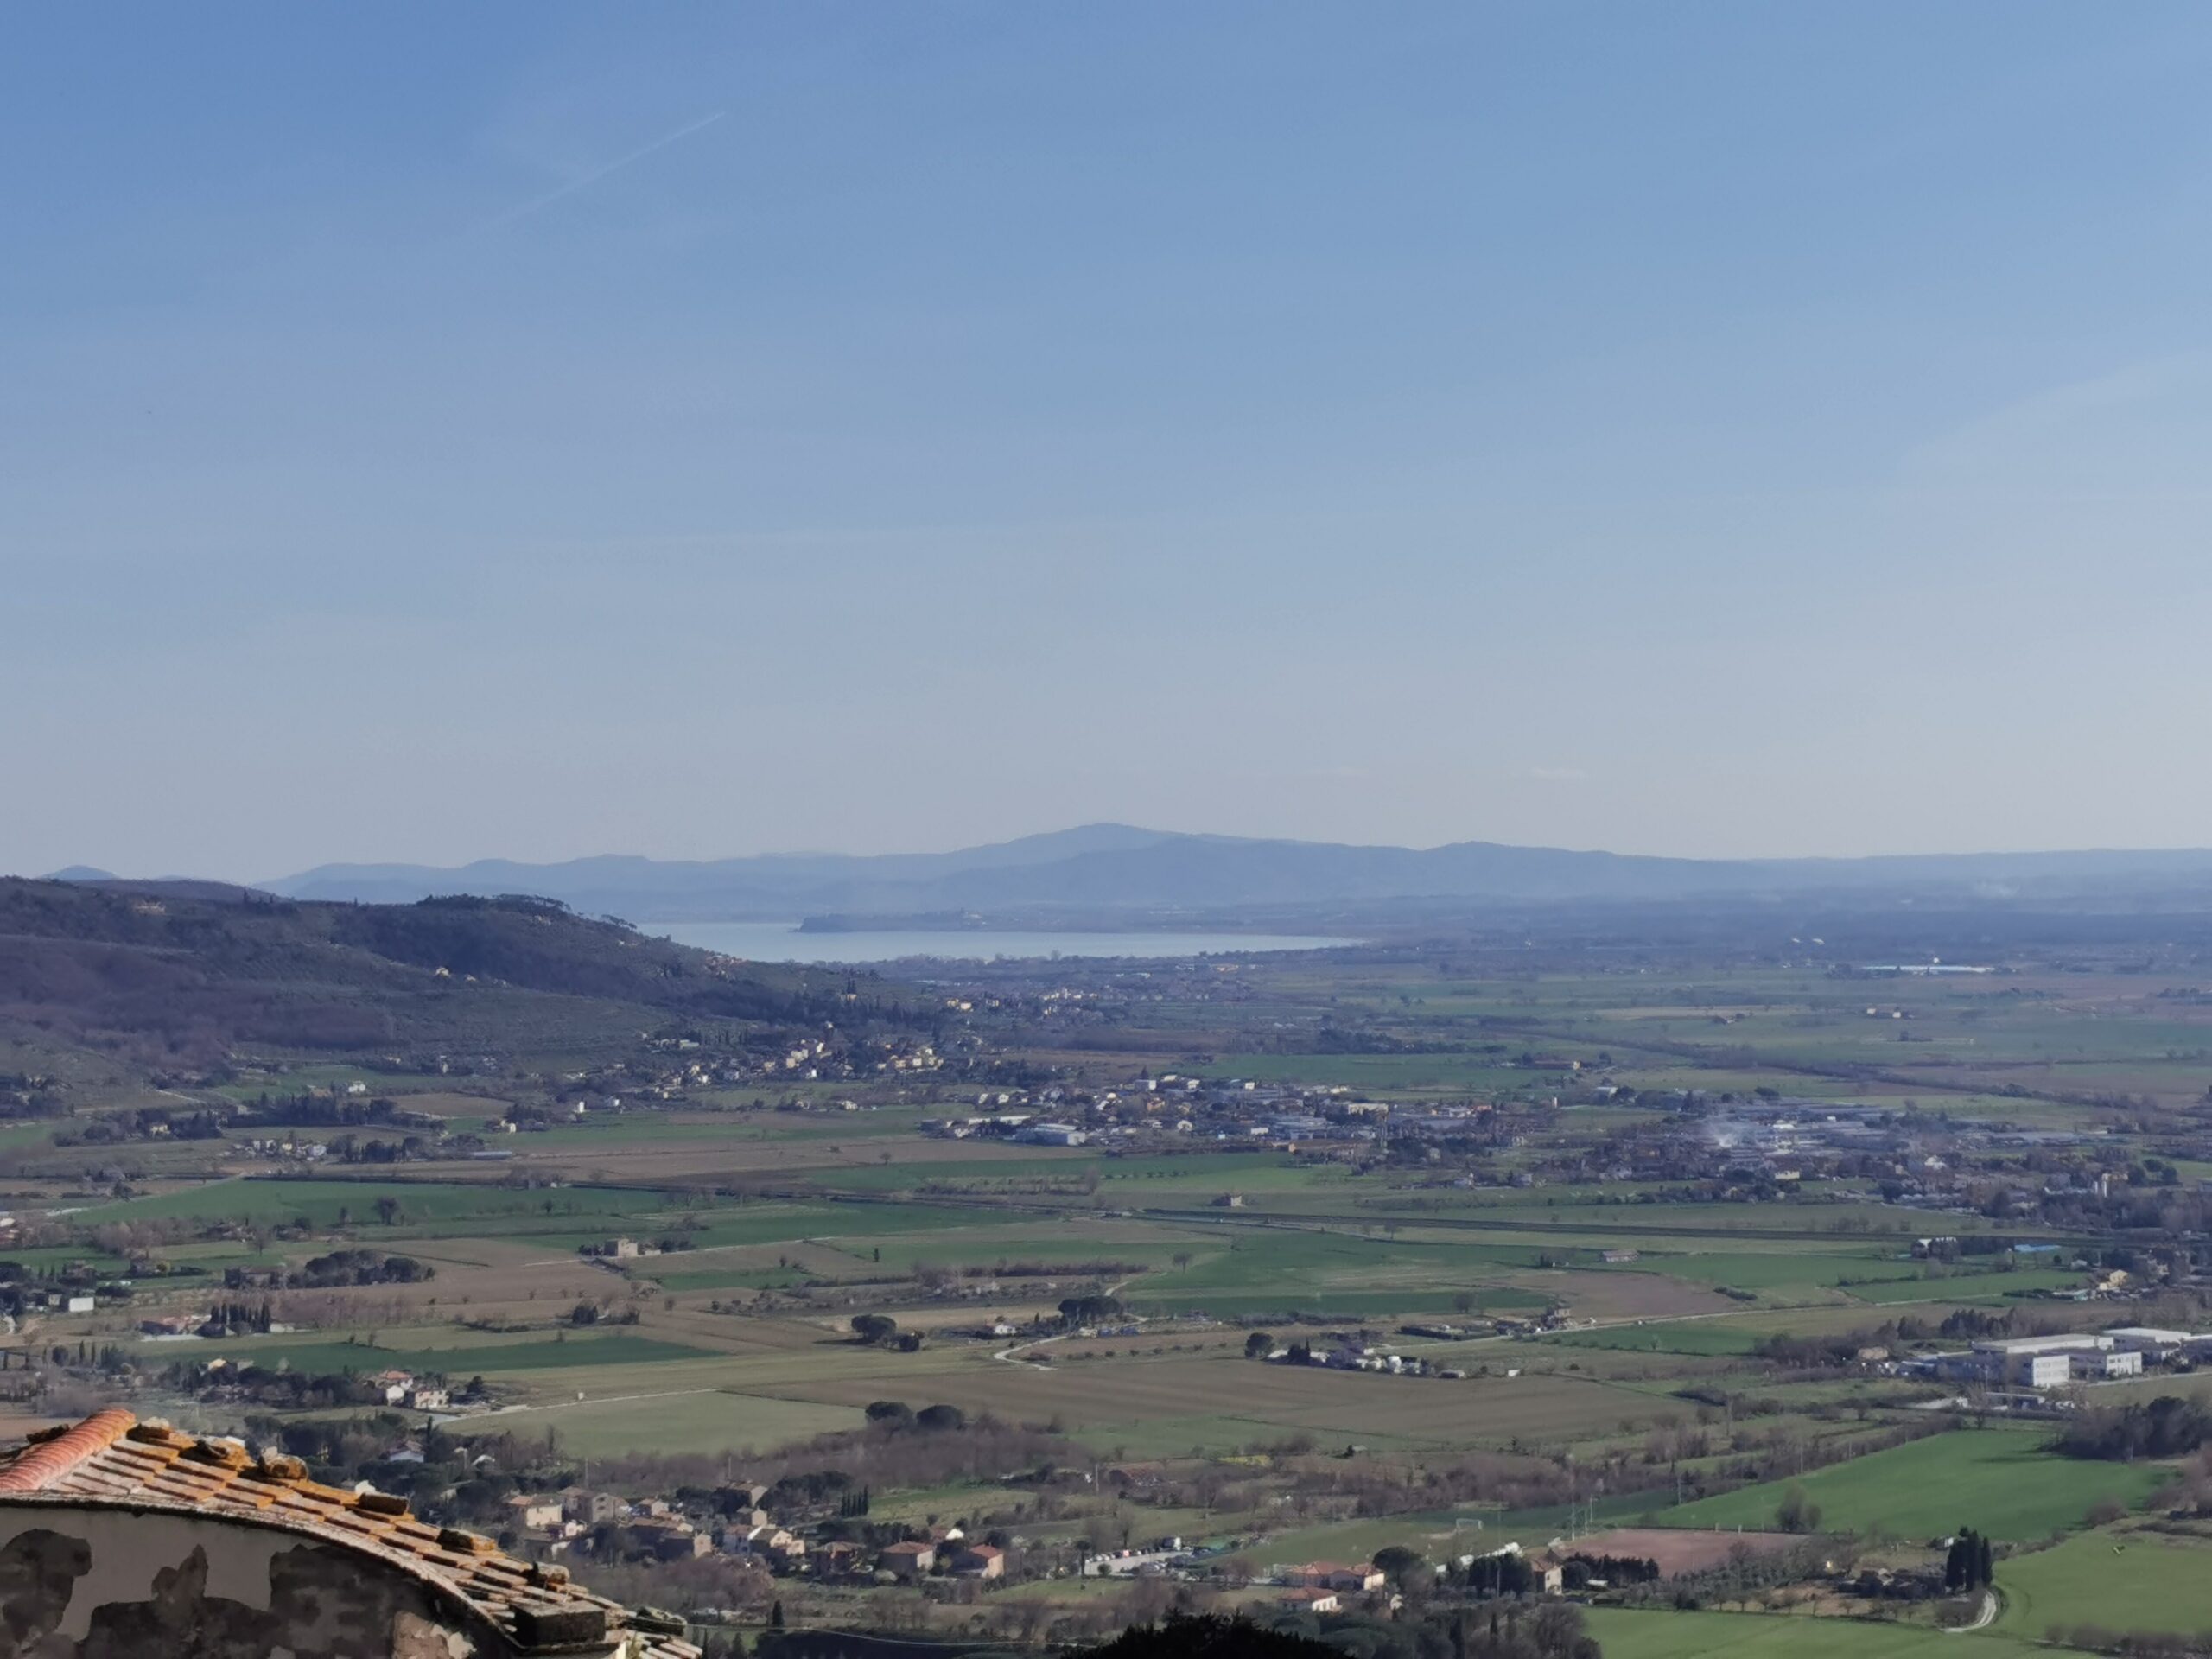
x: 602, y: 1399
x: 1011, y: 1355
x: 1981, y: 1620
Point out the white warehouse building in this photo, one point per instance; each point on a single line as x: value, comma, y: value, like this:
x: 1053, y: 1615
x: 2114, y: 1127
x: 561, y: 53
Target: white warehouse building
x: 2040, y: 1370
x: 2053, y: 1361
x: 2094, y: 1363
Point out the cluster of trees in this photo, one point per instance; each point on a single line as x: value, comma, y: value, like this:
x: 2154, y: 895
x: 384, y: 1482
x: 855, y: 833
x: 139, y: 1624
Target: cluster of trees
x: 322, y: 1111
x: 1033, y: 1268
x: 1500, y: 1576
x: 2133, y: 1644
x: 896, y: 1415
x: 105, y: 1356
x: 881, y: 1331
x: 984, y: 1450
x: 1842, y: 1347
x: 1552, y: 1629
x: 351, y: 1149
x: 28, y: 1094
x: 1796, y: 1512
x: 243, y: 1317
x: 1975, y: 1324
x: 352, y: 1267
x: 593, y: 1313
x: 1097, y: 1308
x: 1745, y: 1572
x: 812, y: 1490
x: 2168, y: 1427
x: 1838, y: 1348
x: 278, y: 1390
x: 1759, y: 1454
x: 1970, y: 1564
x: 1577, y: 1569
x: 1518, y: 1480
x: 112, y: 1128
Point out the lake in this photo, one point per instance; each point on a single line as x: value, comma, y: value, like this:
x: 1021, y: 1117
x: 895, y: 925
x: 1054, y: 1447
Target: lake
x: 783, y: 942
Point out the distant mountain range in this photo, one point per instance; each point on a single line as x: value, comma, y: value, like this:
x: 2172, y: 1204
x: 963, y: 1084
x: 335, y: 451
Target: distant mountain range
x: 1113, y: 874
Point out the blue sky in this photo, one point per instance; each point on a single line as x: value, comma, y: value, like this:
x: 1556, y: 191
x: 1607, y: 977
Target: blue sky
x: 524, y: 429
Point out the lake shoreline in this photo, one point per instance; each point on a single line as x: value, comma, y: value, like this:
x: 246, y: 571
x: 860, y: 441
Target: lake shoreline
x: 793, y: 942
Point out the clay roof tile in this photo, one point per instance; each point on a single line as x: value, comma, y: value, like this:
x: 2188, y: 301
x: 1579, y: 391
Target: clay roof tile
x: 111, y: 1458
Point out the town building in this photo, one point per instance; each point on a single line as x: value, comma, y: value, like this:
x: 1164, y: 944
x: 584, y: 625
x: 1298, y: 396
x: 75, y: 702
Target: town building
x: 2095, y: 1365
x: 1332, y: 1575
x: 979, y: 1562
x: 594, y: 1509
x: 2040, y: 1370
x: 1052, y: 1134
x: 536, y: 1513
x: 906, y: 1560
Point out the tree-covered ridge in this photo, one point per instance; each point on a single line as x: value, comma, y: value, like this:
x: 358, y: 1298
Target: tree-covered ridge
x: 168, y: 978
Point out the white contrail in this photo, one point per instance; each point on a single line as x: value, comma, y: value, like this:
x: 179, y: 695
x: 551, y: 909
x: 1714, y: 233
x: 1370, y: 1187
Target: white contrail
x: 598, y: 173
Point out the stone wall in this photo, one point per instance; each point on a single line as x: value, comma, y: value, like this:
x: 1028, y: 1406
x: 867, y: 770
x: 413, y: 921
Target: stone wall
x: 85, y: 1582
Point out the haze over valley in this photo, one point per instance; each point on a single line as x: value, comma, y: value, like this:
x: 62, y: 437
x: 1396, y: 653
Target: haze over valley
x: 1504, y: 945
x: 1117, y: 871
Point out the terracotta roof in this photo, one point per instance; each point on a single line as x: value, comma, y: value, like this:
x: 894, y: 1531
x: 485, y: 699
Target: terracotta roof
x: 113, y: 1459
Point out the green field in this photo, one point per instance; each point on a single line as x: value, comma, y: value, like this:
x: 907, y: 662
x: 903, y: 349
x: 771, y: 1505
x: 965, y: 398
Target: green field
x: 2124, y: 1579
x: 1261, y: 1272
x: 694, y: 1420
x: 459, y: 1359
x: 1438, y: 1534
x: 1765, y: 1269
x: 742, y: 1340
x: 1668, y: 1635
x: 1998, y: 1481
x: 1672, y: 1336
x: 1382, y: 1074
x: 1164, y: 1298
x: 260, y: 1200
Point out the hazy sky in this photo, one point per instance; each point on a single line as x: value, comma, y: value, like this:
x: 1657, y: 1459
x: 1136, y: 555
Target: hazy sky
x: 524, y: 429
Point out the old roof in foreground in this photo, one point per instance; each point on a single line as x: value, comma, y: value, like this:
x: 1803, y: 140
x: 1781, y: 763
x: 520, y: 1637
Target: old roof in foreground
x: 112, y: 1459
